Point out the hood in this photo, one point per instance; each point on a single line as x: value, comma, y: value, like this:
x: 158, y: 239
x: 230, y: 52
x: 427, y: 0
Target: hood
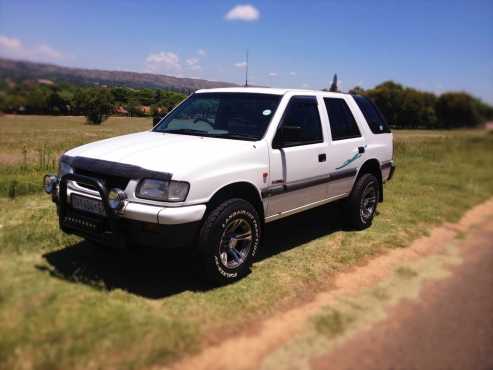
x: 164, y: 152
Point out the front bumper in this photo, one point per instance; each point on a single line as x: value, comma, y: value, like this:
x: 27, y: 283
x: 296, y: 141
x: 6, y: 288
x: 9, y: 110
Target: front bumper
x: 136, y: 223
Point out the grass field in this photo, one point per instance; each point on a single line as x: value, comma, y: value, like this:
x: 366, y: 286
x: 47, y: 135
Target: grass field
x: 67, y: 304
x: 30, y: 145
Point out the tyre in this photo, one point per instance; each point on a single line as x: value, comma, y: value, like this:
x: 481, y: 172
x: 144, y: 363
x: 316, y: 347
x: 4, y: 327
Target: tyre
x: 362, y: 203
x: 228, y: 241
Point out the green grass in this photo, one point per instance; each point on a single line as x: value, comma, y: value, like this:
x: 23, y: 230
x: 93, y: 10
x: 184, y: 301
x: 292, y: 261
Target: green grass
x: 67, y: 304
x: 30, y: 145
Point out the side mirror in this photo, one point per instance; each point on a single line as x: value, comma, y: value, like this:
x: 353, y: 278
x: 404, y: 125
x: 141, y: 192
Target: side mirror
x: 287, y: 135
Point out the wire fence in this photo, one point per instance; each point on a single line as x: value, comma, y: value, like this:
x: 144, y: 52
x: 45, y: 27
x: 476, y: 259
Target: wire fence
x: 26, y: 177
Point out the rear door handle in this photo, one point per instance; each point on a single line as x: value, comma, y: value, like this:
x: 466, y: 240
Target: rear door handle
x: 322, y: 157
x: 361, y: 149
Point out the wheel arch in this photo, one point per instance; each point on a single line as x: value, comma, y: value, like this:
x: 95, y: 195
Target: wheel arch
x: 241, y: 189
x: 373, y: 166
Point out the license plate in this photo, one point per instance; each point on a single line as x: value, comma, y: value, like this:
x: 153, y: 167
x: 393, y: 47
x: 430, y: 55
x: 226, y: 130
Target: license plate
x: 88, y: 205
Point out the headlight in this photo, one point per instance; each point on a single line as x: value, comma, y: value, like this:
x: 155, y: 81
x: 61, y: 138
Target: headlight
x: 64, y: 168
x: 165, y: 191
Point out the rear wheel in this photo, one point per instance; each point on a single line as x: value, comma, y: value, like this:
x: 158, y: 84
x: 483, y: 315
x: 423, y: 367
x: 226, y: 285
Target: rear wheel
x: 229, y: 239
x: 362, y: 203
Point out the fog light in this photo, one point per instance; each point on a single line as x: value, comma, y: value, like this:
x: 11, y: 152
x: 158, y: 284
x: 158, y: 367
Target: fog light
x: 49, y: 183
x: 116, y: 199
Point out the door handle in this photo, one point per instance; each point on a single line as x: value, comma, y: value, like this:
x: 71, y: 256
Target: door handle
x: 322, y: 157
x: 361, y: 149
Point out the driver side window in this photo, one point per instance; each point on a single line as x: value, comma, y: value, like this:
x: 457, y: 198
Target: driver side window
x: 300, y: 124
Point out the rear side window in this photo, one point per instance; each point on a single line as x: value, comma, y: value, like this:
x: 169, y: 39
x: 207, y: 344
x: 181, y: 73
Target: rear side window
x: 342, y: 123
x: 372, y: 114
x: 301, y: 124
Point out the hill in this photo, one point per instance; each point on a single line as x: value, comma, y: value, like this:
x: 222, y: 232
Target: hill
x: 23, y: 70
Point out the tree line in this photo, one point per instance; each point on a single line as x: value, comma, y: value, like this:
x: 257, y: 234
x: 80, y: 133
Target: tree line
x: 94, y: 102
x: 404, y: 107
x: 409, y: 108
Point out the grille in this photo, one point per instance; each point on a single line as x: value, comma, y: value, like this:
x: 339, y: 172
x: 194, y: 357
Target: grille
x: 108, y: 181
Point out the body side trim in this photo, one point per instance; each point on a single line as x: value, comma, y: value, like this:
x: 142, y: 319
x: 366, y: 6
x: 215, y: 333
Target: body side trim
x: 306, y: 183
x: 305, y: 207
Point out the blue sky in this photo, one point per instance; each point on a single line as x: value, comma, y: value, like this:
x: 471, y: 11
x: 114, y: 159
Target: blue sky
x: 431, y: 45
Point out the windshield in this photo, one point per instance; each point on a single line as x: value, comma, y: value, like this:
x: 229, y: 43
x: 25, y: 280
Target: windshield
x: 243, y: 116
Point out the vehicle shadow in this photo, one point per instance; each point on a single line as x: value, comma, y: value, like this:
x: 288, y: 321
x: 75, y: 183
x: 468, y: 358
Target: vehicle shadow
x: 158, y: 273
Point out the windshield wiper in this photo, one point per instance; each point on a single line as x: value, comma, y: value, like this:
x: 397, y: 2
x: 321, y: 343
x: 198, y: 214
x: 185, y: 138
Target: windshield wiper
x: 191, y: 131
x: 187, y: 131
x: 238, y: 137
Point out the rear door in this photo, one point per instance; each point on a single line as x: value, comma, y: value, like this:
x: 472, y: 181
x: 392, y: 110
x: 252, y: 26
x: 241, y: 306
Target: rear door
x: 381, y: 139
x: 298, y: 160
x: 346, y: 147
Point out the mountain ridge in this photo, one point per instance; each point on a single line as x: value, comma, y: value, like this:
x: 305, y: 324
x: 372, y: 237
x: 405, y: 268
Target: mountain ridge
x: 26, y: 70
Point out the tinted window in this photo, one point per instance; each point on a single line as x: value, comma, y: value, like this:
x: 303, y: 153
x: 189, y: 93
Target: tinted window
x: 342, y: 123
x: 372, y: 114
x: 301, y: 124
x: 243, y: 116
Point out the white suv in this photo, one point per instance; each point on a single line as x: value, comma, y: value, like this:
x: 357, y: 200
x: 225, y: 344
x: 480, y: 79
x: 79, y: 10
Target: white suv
x: 221, y: 165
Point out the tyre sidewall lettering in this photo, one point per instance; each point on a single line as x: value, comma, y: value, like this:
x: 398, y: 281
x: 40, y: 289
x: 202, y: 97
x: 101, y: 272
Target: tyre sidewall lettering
x: 250, y: 218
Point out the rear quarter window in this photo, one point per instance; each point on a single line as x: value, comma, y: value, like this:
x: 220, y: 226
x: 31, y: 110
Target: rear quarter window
x: 374, y: 118
x: 342, y: 123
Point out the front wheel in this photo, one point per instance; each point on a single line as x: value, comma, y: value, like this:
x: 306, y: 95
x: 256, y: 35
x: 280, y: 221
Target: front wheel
x: 362, y: 203
x: 228, y: 241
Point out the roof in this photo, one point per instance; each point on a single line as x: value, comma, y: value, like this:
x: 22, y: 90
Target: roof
x: 267, y: 90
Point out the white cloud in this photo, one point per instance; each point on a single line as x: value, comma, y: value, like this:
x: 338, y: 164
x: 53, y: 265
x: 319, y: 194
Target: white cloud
x: 14, y: 48
x: 166, y: 57
x: 10, y: 43
x: 292, y: 73
x: 164, y: 62
x: 49, y: 52
x: 168, y: 62
x: 272, y: 74
x: 245, y: 13
x: 202, y: 52
x: 192, y: 61
x: 241, y: 64
x: 305, y: 86
x: 193, y: 64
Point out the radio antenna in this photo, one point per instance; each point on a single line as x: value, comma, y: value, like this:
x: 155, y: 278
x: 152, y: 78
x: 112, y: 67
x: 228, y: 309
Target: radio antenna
x: 246, y: 70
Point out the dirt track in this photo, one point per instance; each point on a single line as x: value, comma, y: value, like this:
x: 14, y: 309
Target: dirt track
x: 440, y: 317
x: 449, y: 327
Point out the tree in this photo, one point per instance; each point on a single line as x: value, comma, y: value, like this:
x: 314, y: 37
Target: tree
x: 405, y: 107
x: 357, y: 90
x: 485, y: 111
x: 389, y: 98
x: 56, y: 104
x: 37, y: 100
x: 12, y: 103
x: 120, y: 95
x: 95, y: 103
x: 333, y: 86
x: 457, y: 109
